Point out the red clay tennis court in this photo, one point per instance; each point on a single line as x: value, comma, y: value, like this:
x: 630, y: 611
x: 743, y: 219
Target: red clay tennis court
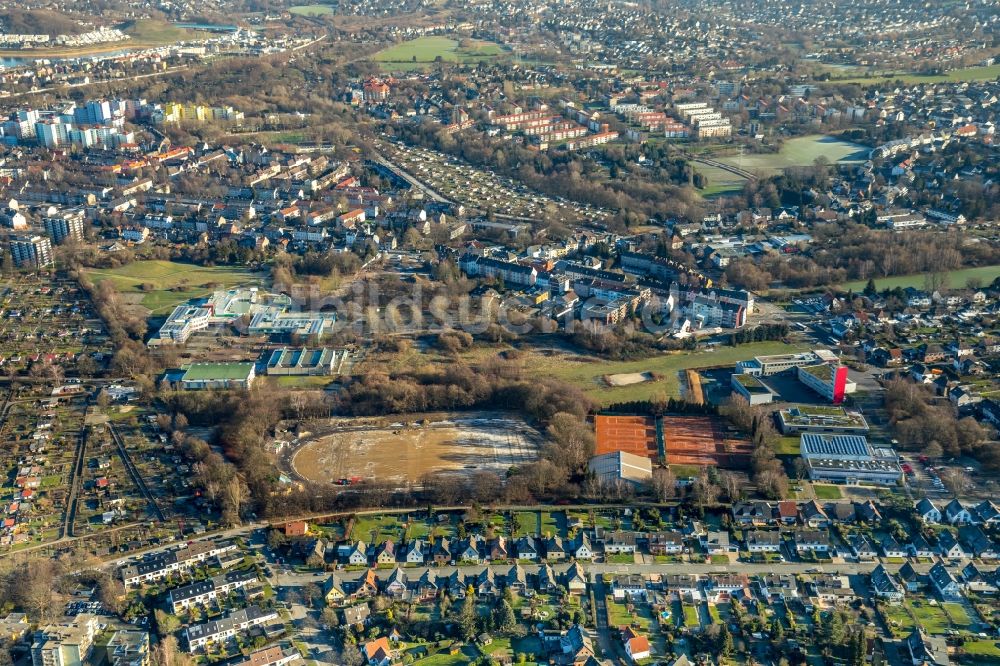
x: 632, y: 434
x: 703, y: 440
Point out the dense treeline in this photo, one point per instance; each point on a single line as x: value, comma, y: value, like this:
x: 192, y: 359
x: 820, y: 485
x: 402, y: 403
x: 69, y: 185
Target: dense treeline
x: 498, y: 384
x: 855, y: 252
x: 922, y: 423
x: 761, y: 333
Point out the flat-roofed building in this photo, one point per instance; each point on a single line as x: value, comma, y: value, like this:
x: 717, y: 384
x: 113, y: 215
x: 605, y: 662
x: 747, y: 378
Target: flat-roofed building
x: 752, y: 389
x: 830, y: 419
x: 828, y: 380
x: 304, y: 361
x: 621, y: 466
x: 217, y: 376
x: 763, y: 366
x: 848, y: 459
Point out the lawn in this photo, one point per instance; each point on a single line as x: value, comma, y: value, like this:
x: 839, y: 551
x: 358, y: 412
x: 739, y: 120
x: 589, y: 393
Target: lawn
x: 527, y: 522
x: 801, y: 151
x: 788, y: 446
x: 959, y: 616
x: 720, y: 181
x: 984, y: 649
x: 423, y: 51
x: 303, y: 381
x: 826, y: 492
x: 956, y: 279
x: 587, y: 372
x: 310, y: 10
x: 383, y: 527
x: 931, y: 618
x: 159, y: 286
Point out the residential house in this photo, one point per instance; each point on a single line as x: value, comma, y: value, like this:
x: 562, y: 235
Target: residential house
x: 385, y: 553
x: 788, y: 512
x: 956, y: 514
x: 415, y: 552
x: 377, y: 652
x: 986, y: 512
x: 974, y: 580
x: 555, y: 551
x: 545, y: 579
x: 396, y: 584
x: 813, y: 515
x: 333, y: 591
x: 665, y: 543
x: 636, y: 646
x: 944, y: 582
x: 582, y: 549
x: 920, y: 548
x: 949, y: 546
x: 357, y: 615
x: 811, y: 540
x: 891, y: 548
x: 927, y: 512
x: 884, y: 586
x: 576, y: 579
x: 358, y: 554
x: 862, y: 547
x: 927, y: 650
x: 758, y: 541
x: 631, y: 586
x: 527, y: 548
x: 715, y: 543
x: 619, y: 542
x: 755, y: 514
x: 976, y: 542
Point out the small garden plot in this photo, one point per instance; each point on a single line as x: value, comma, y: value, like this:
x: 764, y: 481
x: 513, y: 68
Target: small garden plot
x: 377, y: 529
x: 931, y: 617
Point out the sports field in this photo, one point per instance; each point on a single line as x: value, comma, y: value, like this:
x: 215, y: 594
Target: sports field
x: 159, y: 285
x: 424, y: 51
x: 588, y: 372
x: 956, y: 279
x: 801, y: 151
x: 703, y: 440
x: 632, y: 434
x: 310, y: 10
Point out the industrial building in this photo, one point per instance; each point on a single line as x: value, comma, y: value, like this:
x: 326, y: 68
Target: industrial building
x: 849, y: 459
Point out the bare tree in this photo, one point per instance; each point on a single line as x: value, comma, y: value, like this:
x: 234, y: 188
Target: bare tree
x: 955, y: 480
x: 664, y: 483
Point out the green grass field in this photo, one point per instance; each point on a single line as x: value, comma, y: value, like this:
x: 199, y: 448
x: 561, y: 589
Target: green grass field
x: 956, y: 279
x: 720, y: 181
x: 423, y: 51
x: 310, y: 10
x: 171, y: 283
x: 826, y: 492
x: 801, y: 151
x: 931, y: 618
x: 587, y: 372
x: 967, y: 74
x: 790, y: 445
x: 987, y: 650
